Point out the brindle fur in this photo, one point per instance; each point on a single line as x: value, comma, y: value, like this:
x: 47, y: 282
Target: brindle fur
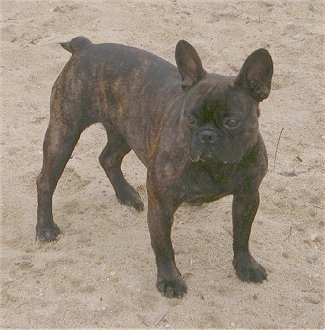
x: 176, y: 121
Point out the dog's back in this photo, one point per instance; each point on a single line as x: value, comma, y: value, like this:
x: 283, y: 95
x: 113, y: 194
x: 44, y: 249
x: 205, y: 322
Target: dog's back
x: 116, y: 85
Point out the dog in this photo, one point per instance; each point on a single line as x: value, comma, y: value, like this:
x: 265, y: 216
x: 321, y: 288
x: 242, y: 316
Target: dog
x: 196, y: 132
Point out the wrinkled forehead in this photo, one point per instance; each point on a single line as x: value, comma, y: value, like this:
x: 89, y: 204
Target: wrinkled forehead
x: 236, y: 100
x: 223, y: 96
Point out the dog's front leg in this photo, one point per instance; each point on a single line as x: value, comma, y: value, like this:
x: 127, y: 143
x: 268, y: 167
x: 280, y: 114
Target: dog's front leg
x: 244, y: 209
x: 160, y: 220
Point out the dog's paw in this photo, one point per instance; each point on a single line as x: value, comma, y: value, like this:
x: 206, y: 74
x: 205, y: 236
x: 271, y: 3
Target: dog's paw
x: 248, y: 269
x: 47, y: 233
x: 130, y: 197
x: 175, y: 288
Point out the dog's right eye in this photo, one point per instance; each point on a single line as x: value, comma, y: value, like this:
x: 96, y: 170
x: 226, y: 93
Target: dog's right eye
x: 192, y: 121
x: 254, y: 83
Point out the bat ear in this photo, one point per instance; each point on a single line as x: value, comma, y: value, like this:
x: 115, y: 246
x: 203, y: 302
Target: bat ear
x: 189, y: 64
x: 256, y: 74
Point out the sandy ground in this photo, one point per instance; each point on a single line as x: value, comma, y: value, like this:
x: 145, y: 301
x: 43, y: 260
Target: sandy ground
x: 101, y: 273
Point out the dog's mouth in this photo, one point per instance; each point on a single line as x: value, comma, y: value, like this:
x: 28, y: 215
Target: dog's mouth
x: 209, y: 157
x: 221, y: 152
x: 196, y: 159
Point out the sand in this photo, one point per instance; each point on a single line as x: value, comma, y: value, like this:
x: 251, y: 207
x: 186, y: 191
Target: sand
x: 101, y: 272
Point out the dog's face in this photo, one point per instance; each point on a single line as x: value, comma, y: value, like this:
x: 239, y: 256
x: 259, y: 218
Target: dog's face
x: 223, y: 126
x: 222, y: 113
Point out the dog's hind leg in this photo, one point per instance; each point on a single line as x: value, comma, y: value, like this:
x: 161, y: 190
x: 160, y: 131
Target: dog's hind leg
x: 58, y: 145
x: 111, y: 160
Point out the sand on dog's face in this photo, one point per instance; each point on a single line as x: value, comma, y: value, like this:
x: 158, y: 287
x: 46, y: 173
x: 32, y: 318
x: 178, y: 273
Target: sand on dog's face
x: 101, y: 273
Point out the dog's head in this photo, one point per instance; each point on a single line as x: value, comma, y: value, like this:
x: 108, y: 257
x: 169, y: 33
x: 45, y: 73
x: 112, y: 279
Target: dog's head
x: 222, y: 112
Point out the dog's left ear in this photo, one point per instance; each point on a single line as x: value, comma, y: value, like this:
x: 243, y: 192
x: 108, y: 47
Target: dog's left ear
x: 256, y: 74
x: 189, y: 64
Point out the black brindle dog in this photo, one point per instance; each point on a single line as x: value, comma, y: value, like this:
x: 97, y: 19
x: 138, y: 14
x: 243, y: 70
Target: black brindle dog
x: 196, y: 132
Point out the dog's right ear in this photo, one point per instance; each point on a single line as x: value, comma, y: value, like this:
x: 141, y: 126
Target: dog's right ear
x: 189, y: 64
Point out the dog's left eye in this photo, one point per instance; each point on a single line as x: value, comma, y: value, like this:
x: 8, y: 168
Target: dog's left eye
x: 231, y: 123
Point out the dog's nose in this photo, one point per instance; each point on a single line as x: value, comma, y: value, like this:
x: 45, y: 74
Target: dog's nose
x: 208, y: 137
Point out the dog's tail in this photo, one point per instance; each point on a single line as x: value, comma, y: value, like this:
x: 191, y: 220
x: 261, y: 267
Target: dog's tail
x: 76, y: 45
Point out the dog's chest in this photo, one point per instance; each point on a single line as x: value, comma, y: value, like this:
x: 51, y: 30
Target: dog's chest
x: 202, y: 184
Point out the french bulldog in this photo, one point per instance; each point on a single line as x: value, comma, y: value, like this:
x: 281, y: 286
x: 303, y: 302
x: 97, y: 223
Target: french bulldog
x: 196, y: 132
